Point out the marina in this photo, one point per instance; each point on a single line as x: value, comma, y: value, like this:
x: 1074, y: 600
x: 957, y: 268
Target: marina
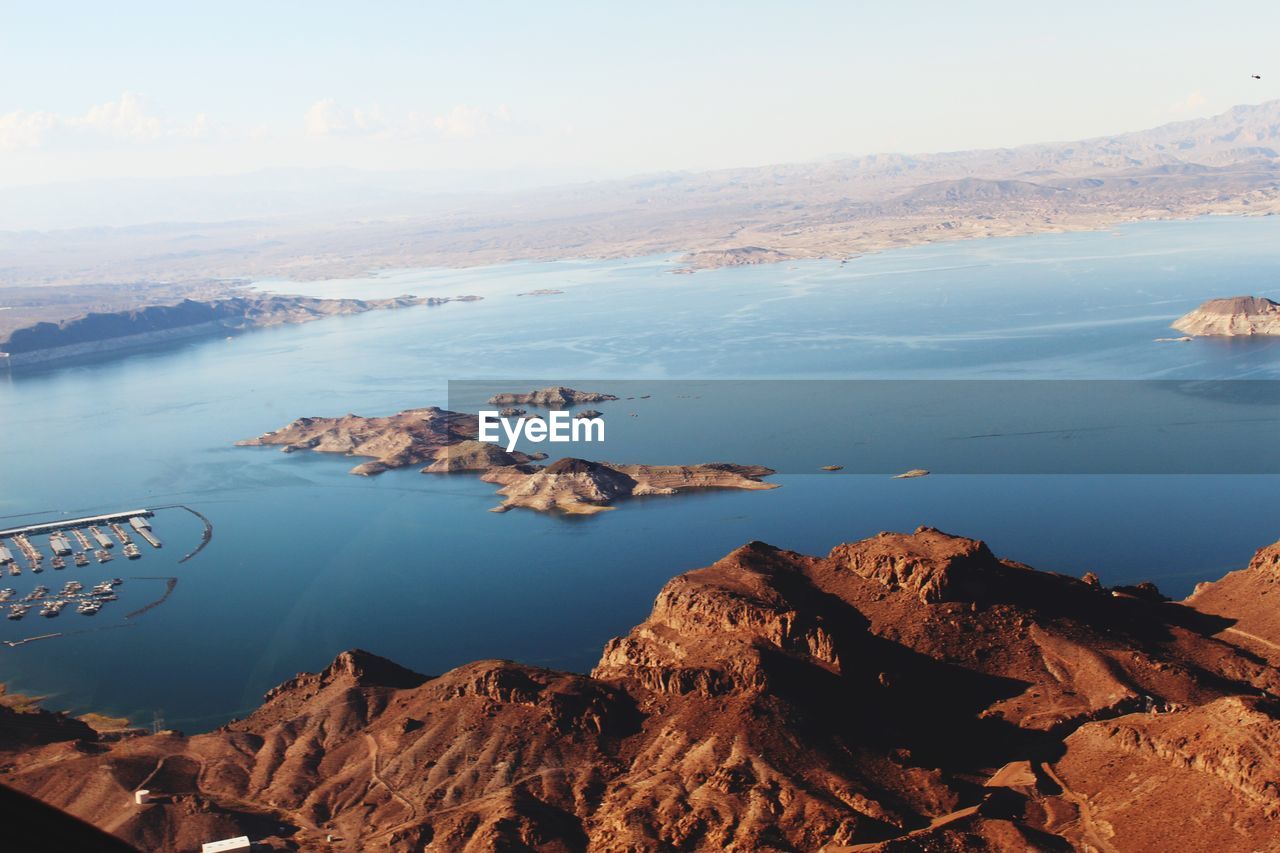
x: 88, y: 535
x: 75, y: 542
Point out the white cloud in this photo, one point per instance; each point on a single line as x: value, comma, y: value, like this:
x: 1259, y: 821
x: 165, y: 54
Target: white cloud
x: 1192, y: 103
x: 24, y: 129
x: 323, y: 118
x: 326, y: 117
x: 124, y: 119
x: 468, y: 122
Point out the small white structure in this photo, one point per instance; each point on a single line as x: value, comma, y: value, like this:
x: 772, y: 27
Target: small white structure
x: 142, y: 797
x: 241, y: 843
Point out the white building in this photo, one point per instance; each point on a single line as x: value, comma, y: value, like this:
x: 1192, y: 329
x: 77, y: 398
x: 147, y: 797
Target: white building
x: 241, y: 843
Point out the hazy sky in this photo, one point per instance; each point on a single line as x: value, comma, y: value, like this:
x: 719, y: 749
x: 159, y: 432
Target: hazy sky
x: 97, y: 90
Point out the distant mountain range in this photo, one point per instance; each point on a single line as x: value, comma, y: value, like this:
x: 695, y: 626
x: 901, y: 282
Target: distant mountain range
x: 1225, y: 164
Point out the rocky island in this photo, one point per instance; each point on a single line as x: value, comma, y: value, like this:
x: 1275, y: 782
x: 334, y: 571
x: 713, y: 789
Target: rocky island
x: 554, y: 397
x: 447, y: 442
x: 772, y: 701
x: 1235, y: 316
x: 96, y: 333
x: 579, y: 487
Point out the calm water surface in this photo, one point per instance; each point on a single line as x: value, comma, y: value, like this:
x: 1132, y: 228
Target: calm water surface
x: 307, y: 560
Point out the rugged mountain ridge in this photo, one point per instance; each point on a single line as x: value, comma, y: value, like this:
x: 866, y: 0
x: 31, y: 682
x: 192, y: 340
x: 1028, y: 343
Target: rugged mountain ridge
x: 908, y: 691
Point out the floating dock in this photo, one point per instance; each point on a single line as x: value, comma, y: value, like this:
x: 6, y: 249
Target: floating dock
x: 120, y: 533
x: 91, y: 533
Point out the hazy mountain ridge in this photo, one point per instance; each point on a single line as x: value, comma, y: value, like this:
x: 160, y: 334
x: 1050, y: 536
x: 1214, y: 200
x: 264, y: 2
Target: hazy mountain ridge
x: 1225, y: 164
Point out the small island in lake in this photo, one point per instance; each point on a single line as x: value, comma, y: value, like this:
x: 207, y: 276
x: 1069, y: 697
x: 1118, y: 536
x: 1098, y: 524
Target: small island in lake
x: 1235, y: 316
x: 579, y: 487
x: 553, y: 397
x: 447, y: 443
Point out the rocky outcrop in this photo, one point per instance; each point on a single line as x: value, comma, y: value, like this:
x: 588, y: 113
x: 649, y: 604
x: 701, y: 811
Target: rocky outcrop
x: 22, y: 727
x: 1249, y: 602
x: 904, y: 692
x: 580, y: 487
x: 1233, y: 317
x: 554, y: 397
x: 477, y: 456
x: 1209, y: 774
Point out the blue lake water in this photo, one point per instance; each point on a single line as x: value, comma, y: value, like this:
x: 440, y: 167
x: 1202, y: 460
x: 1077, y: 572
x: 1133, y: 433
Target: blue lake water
x: 307, y: 560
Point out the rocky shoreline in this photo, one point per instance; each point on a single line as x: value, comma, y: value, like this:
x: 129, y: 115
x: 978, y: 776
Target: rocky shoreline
x: 98, y: 333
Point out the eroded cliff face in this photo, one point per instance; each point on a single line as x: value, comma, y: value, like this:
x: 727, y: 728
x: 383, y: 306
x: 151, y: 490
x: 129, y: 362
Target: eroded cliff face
x: 909, y: 691
x: 1232, y: 317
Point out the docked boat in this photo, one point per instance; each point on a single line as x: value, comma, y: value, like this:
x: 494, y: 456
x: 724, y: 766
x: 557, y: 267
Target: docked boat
x: 6, y: 593
x: 59, y: 563
x: 36, y: 594
x: 17, y: 611
x: 72, y: 587
x: 131, y: 551
x: 52, y: 608
x: 103, y: 555
x: 116, y: 581
x: 81, y: 558
x: 88, y: 608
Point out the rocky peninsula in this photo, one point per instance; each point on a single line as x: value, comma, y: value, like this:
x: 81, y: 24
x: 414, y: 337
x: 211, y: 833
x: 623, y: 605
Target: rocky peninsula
x: 907, y: 691
x: 1234, y: 316
x: 97, y: 333
x: 447, y: 442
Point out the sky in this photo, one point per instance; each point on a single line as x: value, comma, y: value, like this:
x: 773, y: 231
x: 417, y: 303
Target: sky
x: 554, y: 91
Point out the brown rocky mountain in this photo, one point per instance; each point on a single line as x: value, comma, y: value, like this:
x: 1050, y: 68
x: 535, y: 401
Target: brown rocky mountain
x: 1231, y: 317
x: 905, y: 692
